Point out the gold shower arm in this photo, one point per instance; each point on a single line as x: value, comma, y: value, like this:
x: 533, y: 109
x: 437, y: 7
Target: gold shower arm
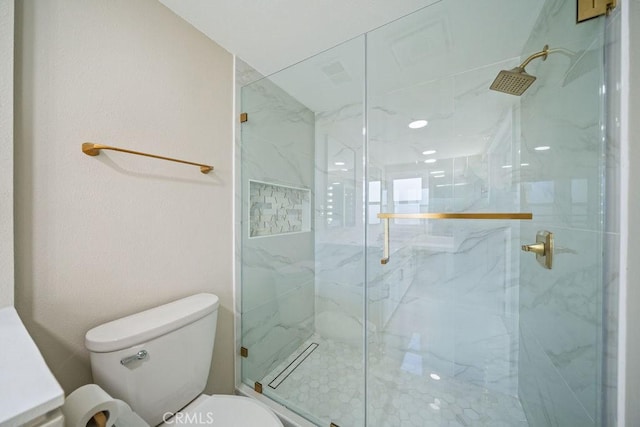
x: 91, y: 149
x: 444, y: 215
x: 545, y: 52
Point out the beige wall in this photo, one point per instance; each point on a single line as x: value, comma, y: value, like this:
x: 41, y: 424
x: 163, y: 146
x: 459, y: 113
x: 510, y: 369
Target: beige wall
x: 6, y: 152
x: 102, y: 237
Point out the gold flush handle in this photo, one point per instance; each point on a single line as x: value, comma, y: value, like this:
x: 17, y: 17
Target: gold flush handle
x: 543, y: 248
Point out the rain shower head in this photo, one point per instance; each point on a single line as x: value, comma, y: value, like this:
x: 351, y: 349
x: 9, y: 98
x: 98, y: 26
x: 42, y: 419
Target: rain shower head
x: 513, y: 82
x: 516, y: 80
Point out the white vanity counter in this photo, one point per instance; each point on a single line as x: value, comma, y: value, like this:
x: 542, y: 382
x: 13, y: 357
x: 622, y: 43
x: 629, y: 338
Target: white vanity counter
x: 28, y: 390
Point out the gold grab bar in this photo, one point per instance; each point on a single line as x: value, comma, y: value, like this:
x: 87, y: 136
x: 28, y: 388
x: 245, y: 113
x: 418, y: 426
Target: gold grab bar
x: 444, y: 215
x: 91, y: 149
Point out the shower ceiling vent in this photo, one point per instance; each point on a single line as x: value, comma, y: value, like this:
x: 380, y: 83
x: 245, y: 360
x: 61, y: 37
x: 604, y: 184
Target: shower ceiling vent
x: 336, y: 73
x: 422, y: 44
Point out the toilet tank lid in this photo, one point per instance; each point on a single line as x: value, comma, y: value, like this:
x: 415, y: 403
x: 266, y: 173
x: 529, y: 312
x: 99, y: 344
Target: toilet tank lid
x: 147, y: 325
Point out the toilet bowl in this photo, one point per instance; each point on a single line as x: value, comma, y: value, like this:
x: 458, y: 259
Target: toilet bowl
x: 224, y: 410
x: 158, y: 362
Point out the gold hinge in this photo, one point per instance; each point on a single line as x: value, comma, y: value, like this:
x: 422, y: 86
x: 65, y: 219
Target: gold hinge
x: 589, y: 9
x: 257, y: 387
x: 244, y: 352
x: 244, y: 117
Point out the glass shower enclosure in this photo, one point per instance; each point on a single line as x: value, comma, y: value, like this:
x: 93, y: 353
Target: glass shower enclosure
x: 417, y: 249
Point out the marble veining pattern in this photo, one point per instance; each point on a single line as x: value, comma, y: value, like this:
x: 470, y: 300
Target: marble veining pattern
x: 506, y: 327
x: 276, y: 272
x: 561, y: 310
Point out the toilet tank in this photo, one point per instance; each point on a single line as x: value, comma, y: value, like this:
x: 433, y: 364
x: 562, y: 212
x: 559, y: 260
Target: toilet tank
x: 157, y: 360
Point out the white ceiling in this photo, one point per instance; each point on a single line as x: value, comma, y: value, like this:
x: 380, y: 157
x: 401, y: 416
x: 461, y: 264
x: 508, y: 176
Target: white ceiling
x: 271, y: 35
x: 436, y: 64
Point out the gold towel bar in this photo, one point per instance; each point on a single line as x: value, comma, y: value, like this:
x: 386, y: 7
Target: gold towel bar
x: 91, y: 149
x: 443, y: 215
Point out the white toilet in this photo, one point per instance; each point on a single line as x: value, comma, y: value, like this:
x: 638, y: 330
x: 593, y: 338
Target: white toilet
x: 158, y: 362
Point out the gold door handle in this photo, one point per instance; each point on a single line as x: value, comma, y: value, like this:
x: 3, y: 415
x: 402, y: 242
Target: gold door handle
x: 445, y: 215
x: 543, y: 248
x: 536, y: 248
x: 385, y: 254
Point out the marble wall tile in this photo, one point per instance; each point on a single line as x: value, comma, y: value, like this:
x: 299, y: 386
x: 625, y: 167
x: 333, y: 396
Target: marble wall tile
x: 387, y: 284
x: 273, y: 266
x: 467, y: 326
x: 273, y: 330
x: 610, y: 329
x: 546, y: 400
x: 276, y: 146
x: 562, y: 310
x: 340, y: 292
x: 476, y: 270
x: 563, y: 110
x: 458, y: 314
x: 612, y: 216
x: 612, y: 114
x: 340, y: 250
x: 244, y: 74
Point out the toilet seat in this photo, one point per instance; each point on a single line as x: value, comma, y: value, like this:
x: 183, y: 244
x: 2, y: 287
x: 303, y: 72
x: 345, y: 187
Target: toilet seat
x: 231, y: 411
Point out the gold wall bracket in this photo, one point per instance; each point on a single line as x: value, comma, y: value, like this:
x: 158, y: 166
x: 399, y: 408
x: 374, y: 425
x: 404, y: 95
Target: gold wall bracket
x: 385, y: 217
x: 589, y: 9
x: 244, y: 117
x: 91, y: 149
x: 244, y: 352
x: 257, y: 387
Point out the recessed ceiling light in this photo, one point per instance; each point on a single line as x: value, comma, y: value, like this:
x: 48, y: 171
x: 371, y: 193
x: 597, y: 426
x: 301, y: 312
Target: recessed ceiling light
x: 418, y: 124
x: 435, y: 376
x: 428, y: 152
x: 436, y: 172
x: 542, y: 148
x: 335, y: 183
x: 430, y: 161
x: 438, y: 176
x: 524, y: 164
x: 339, y: 163
x: 344, y: 170
x: 506, y: 166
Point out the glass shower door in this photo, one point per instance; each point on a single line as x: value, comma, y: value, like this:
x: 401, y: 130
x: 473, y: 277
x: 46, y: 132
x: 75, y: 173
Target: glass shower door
x: 303, y: 236
x: 466, y: 328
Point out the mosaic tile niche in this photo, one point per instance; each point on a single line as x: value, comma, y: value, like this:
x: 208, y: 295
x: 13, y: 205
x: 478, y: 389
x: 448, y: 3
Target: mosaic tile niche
x: 276, y: 209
